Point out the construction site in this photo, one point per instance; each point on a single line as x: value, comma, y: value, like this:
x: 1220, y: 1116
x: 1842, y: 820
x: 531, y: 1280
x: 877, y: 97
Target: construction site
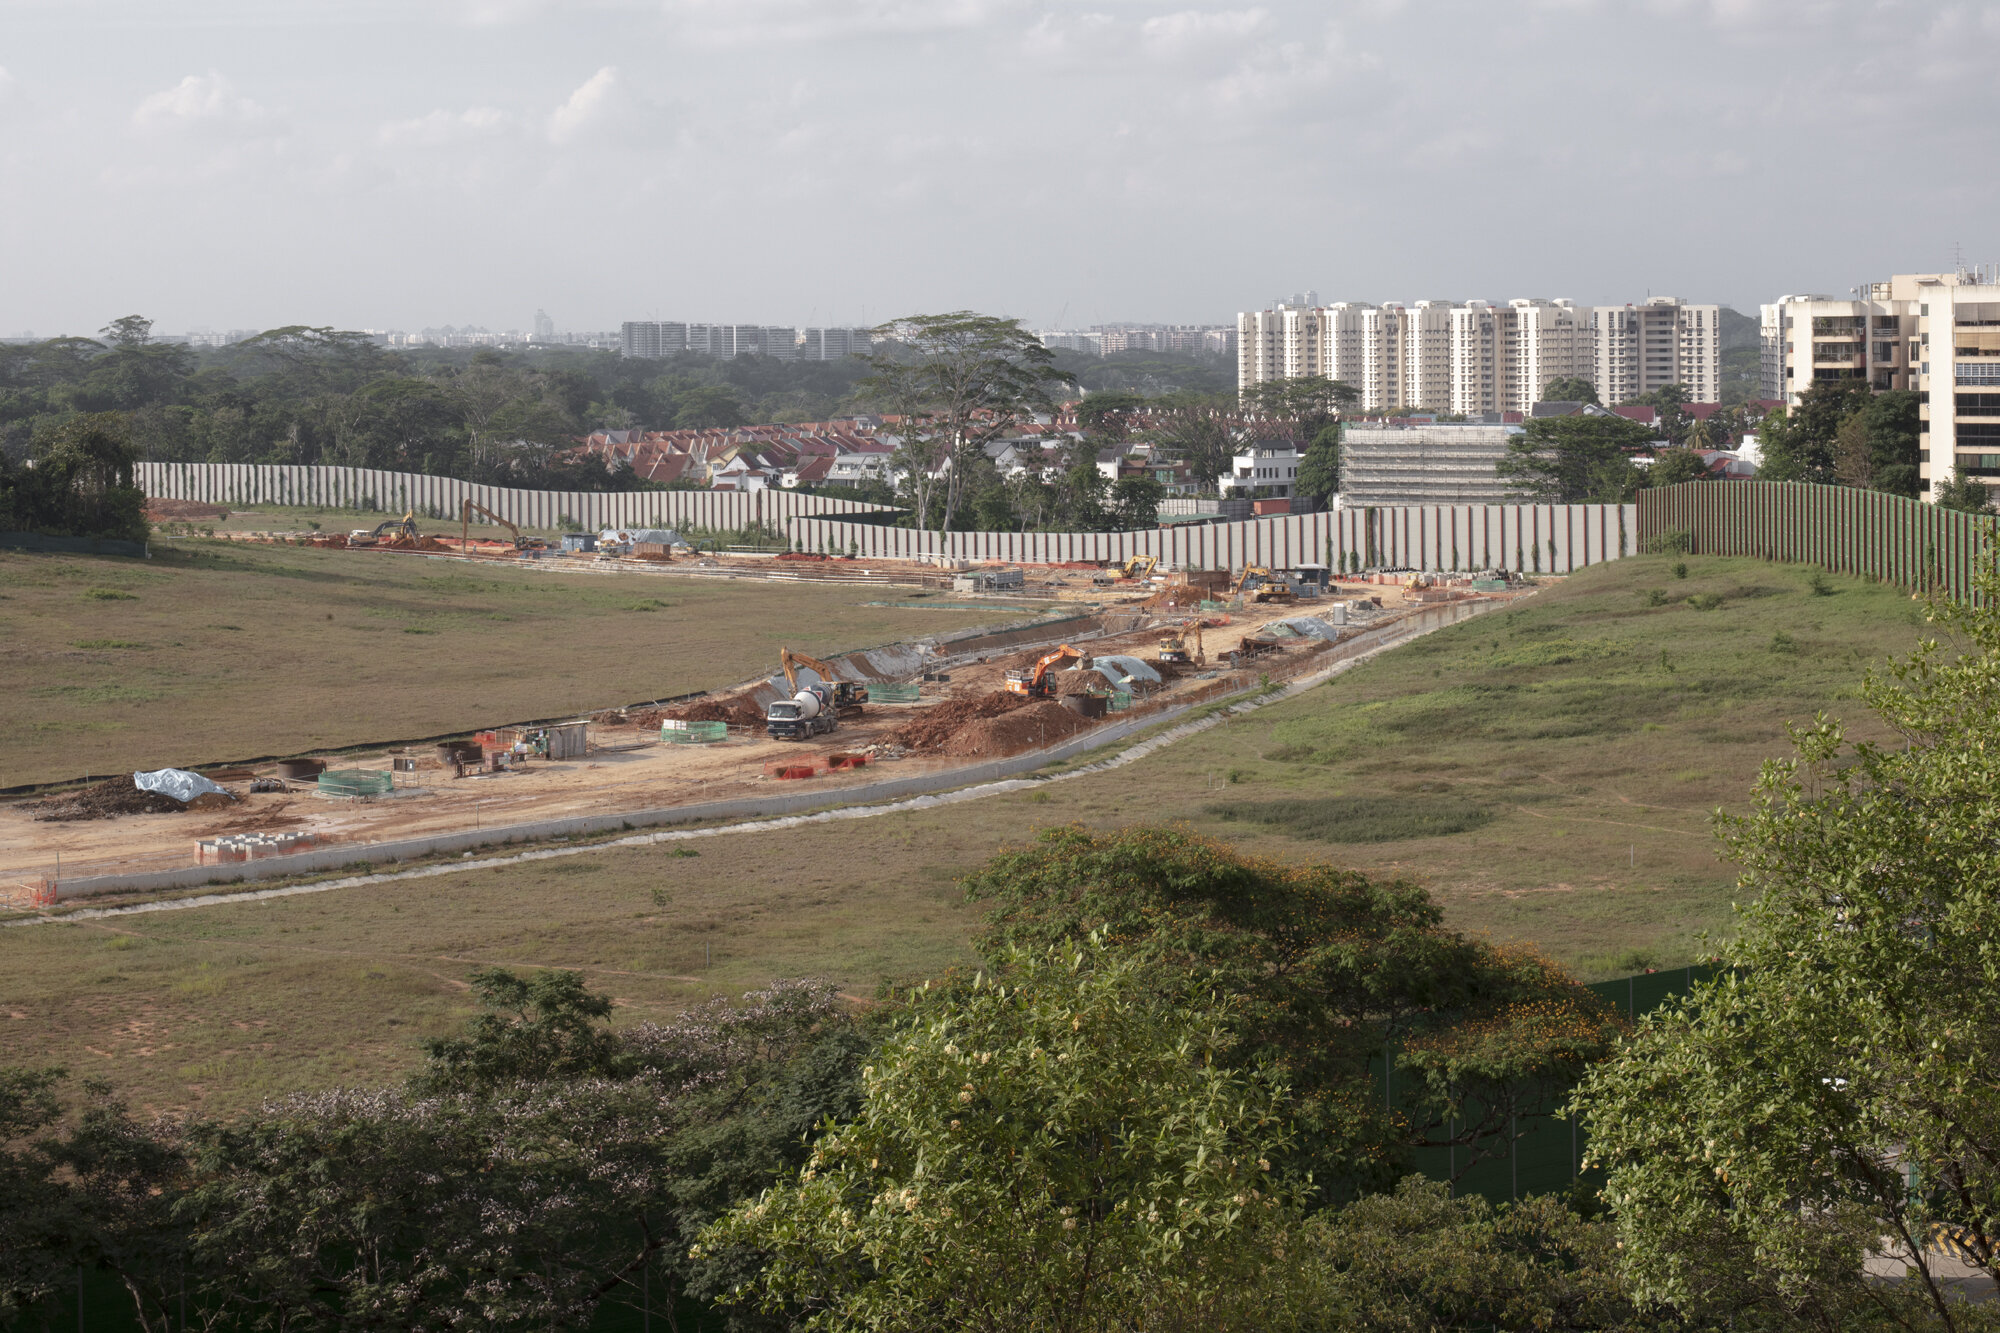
x: 1111, y: 646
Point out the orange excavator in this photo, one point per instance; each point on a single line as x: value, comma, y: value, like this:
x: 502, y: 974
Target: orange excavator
x: 1034, y: 681
x: 847, y: 695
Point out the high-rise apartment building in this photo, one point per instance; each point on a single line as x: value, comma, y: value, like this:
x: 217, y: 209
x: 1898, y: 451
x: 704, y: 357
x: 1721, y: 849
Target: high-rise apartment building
x: 1644, y: 348
x: 1551, y: 340
x: 1935, y: 333
x: 1477, y: 357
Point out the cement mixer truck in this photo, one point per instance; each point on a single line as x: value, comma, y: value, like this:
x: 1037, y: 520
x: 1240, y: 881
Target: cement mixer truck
x: 806, y: 714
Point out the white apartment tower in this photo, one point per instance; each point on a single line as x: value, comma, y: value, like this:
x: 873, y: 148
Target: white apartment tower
x: 1381, y: 381
x: 1475, y: 357
x: 1935, y: 333
x: 1552, y: 341
x: 1427, y: 356
x: 1642, y: 348
x: 1477, y: 352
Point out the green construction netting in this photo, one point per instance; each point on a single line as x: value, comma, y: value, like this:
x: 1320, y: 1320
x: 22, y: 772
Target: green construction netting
x: 355, y: 782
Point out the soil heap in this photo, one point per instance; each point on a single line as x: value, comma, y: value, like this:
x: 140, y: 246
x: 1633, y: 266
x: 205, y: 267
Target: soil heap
x: 739, y: 711
x: 106, y: 800
x: 1041, y: 723
x: 929, y: 732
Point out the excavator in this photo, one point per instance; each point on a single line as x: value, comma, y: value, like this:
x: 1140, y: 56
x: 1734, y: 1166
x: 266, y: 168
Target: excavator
x: 1034, y: 681
x: 468, y: 509
x: 1269, y: 587
x: 848, y: 697
x: 1135, y: 570
x: 1174, y: 646
x: 403, y: 529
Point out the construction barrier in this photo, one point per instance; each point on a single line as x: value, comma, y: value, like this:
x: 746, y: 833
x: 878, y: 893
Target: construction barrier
x: 888, y: 692
x: 375, y: 491
x: 1846, y: 531
x: 1525, y: 538
x: 693, y: 733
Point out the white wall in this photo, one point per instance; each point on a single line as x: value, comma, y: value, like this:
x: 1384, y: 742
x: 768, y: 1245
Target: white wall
x: 347, y: 487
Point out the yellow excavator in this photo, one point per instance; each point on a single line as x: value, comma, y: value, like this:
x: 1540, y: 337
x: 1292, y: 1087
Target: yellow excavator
x: 1268, y: 588
x: 1174, y: 646
x: 468, y: 509
x: 1136, y: 570
x: 1034, y: 681
x: 406, y: 526
x: 848, y: 697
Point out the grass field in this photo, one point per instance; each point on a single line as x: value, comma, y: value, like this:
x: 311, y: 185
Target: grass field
x: 1578, y: 742
x: 330, y: 518
x: 216, y: 650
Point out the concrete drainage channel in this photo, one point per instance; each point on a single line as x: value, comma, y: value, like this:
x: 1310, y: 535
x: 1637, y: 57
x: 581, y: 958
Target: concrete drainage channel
x: 977, y: 782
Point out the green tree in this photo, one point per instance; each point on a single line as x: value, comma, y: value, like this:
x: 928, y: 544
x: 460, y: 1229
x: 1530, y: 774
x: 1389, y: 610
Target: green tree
x: 538, y: 1169
x: 959, y: 380
x: 82, y: 482
x: 1895, y: 434
x: 1672, y: 466
x: 1799, y: 443
x: 1199, y: 431
x: 1420, y: 1261
x: 1109, y: 413
x: 1830, y: 1096
x: 1319, y: 467
x: 1329, y: 968
x: 1670, y: 402
x: 1569, y: 389
x: 1301, y: 406
x: 1967, y: 495
x: 1575, y: 460
x: 1059, y: 1147
x: 1135, y: 502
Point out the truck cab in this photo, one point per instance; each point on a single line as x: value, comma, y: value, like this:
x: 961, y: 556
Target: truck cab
x: 806, y: 714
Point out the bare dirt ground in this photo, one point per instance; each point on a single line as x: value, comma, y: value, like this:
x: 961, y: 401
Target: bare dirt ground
x: 629, y: 769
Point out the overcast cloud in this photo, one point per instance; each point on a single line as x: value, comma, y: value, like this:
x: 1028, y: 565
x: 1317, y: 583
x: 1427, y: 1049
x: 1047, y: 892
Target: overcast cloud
x: 422, y: 162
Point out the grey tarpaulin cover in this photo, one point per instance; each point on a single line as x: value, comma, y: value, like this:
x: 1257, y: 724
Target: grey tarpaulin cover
x: 178, y: 783
x: 1127, y: 669
x: 1313, y: 627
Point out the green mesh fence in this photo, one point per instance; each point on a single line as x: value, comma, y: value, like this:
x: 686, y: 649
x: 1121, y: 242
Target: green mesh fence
x: 1120, y: 701
x: 355, y: 782
x: 905, y: 693
x: 695, y: 733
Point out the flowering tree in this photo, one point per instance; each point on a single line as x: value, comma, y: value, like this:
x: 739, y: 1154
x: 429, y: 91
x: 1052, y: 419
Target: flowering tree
x: 1059, y: 1148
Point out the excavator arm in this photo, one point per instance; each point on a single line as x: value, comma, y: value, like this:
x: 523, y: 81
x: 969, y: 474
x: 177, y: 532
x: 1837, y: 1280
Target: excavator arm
x: 846, y: 694
x: 468, y: 509
x: 1035, y: 680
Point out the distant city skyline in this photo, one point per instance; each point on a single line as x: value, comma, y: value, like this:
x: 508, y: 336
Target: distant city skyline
x: 361, y: 163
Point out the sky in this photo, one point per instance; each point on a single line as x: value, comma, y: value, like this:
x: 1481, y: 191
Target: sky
x: 402, y: 164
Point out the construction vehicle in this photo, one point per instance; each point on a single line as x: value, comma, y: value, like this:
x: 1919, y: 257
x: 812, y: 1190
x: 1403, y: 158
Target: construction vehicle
x: 848, y: 697
x: 1137, y: 569
x: 1174, y: 646
x: 1034, y: 681
x: 1268, y: 587
x: 808, y: 713
x: 468, y: 509
x: 1248, y: 649
x: 405, y: 529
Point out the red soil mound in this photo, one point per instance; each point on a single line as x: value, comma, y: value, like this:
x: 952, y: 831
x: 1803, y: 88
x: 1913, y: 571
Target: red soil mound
x: 929, y: 732
x: 1030, y: 728
x: 739, y: 711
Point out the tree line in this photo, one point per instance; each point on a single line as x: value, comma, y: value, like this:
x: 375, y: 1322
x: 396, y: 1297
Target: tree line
x: 1156, y: 1104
